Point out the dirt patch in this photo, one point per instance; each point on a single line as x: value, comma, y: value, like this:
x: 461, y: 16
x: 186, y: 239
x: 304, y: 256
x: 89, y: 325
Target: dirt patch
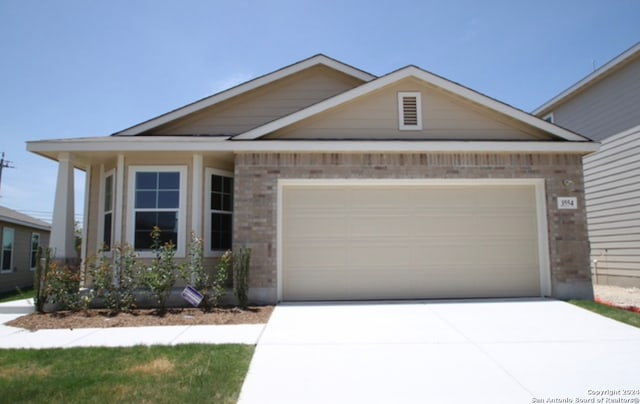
x: 142, y: 318
x: 155, y: 367
x: 15, y: 373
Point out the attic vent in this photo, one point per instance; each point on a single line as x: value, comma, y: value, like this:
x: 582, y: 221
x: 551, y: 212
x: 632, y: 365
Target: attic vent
x: 410, y: 111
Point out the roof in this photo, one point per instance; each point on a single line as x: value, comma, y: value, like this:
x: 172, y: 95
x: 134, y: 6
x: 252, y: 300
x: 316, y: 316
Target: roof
x: 411, y: 71
x: 12, y: 216
x: 591, y: 79
x: 85, y: 150
x: 243, y: 88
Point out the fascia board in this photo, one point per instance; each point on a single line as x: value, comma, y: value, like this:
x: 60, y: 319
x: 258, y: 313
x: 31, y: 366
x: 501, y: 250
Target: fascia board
x: 411, y: 71
x: 243, y: 88
x: 181, y: 144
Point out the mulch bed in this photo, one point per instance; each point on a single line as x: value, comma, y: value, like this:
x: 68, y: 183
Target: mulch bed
x: 143, y: 318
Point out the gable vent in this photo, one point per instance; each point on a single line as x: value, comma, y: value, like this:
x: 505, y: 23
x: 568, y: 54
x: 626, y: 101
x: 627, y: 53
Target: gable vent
x: 410, y: 111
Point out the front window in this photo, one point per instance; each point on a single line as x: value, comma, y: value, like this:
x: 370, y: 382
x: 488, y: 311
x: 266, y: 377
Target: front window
x: 35, y: 244
x: 107, y: 219
x: 7, y: 249
x: 158, y: 200
x: 220, y: 211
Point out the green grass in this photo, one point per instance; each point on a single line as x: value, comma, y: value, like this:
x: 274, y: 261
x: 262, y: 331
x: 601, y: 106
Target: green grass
x: 17, y: 295
x: 621, y: 315
x: 182, y: 373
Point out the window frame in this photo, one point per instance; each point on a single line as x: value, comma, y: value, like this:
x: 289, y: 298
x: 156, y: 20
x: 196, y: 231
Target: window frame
x: 208, y: 252
x: 550, y: 117
x: 181, y: 210
x: 5, y: 231
x: 401, y: 96
x: 33, y: 255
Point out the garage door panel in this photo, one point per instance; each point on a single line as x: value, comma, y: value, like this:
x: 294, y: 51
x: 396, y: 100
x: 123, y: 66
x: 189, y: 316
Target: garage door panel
x: 389, y: 242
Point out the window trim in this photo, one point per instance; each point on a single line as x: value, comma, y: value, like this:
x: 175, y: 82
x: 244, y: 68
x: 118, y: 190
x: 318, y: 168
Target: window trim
x: 401, y: 96
x: 101, y: 208
x: 2, y: 251
x: 208, y: 172
x: 182, y: 206
x: 549, y: 118
x: 33, y: 265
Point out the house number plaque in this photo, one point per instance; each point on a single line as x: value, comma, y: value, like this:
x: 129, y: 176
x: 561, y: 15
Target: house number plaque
x: 567, y: 202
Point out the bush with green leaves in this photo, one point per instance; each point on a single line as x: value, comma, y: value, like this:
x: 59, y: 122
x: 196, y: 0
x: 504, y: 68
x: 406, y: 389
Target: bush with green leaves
x: 63, y: 285
x: 210, y: 285
x: 159, y: 277
x: 114, y: 278
x: 241, y: 263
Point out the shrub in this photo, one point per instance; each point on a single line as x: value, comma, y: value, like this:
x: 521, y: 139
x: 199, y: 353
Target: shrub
x: 114, y: 279
x: 241, y: 262
x: 211, y: 286
x: 159, y: 277
x: 62, y: 286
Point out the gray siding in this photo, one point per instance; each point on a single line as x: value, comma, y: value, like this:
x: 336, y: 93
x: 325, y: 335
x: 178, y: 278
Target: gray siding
x: 606, y: 107
x: 612, y: 181
x: 22, y: 276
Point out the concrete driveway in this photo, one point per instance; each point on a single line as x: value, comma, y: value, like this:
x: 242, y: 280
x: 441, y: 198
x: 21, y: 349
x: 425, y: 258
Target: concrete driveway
x: 522, y: 351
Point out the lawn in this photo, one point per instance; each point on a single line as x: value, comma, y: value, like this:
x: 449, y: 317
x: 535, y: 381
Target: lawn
x: 157, y: 374
x: 17, y: 295
x: 621, y: 315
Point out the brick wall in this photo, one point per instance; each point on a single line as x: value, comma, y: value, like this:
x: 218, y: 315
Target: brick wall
x: 256, y: 176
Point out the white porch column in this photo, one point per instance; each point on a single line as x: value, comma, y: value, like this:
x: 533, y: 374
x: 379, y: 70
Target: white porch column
x: 62, y: 230
x: 197, y: 194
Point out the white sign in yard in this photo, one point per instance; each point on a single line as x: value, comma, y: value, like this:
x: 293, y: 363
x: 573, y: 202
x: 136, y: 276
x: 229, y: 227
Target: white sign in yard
x: 567, y: 202
x: 191, y: 295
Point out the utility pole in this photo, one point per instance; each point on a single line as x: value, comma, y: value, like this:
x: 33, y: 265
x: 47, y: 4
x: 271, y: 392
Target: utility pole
x: 3, y: 164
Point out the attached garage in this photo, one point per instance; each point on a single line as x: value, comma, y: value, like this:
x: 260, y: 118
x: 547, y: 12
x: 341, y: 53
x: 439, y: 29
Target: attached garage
x: 411, y: 239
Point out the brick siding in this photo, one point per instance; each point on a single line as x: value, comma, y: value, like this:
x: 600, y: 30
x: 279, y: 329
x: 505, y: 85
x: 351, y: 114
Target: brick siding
x: 256, y: 176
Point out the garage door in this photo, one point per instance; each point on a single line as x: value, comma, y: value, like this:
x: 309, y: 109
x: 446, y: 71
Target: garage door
x: 386, y: 241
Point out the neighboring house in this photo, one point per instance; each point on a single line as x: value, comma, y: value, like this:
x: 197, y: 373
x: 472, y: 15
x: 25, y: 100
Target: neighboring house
x: 605, y: 106
x: 20, y: 235
x: 345, y: 186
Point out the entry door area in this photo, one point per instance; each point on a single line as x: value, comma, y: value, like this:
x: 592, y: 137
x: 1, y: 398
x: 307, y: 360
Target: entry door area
x: 366, y: 240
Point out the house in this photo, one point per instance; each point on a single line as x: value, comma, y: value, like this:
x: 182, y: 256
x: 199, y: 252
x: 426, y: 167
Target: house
x: 345, y: 186
x: 605, y: 106
x: 21, y: 235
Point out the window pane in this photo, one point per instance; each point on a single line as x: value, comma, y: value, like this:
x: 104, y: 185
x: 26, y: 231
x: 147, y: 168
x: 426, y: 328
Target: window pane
x: 216, y: 201
x: 108, y: 193
x: 216, y: 183
x: 145, y: 221
x: 227, y: 203
x: 7, y: 248
x: 6, y: 260
x: 146, y: 199
x: 228, y: 185
x: 106, y: 237
x: 221, y: 225
x: 168, y: 199
x: 169, y: 180
x: 146, y: 180
x: 35, y: 243
x: 7, y: 239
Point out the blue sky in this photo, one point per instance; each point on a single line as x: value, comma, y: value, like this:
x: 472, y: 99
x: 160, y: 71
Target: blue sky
x: 91, y: 68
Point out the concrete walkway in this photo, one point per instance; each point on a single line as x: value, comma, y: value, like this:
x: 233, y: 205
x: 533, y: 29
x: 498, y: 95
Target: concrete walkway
x: 11, y: 337
x: 442, y: 352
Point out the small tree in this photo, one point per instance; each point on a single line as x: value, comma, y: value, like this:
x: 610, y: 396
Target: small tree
x: 211, y: 286
x: 114, y: 279
x: 159, y: 277
x: 43, y: 259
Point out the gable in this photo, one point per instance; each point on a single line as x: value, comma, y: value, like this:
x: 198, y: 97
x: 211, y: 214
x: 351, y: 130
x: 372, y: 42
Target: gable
x: 263, y: 104
x: 444, y: 116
